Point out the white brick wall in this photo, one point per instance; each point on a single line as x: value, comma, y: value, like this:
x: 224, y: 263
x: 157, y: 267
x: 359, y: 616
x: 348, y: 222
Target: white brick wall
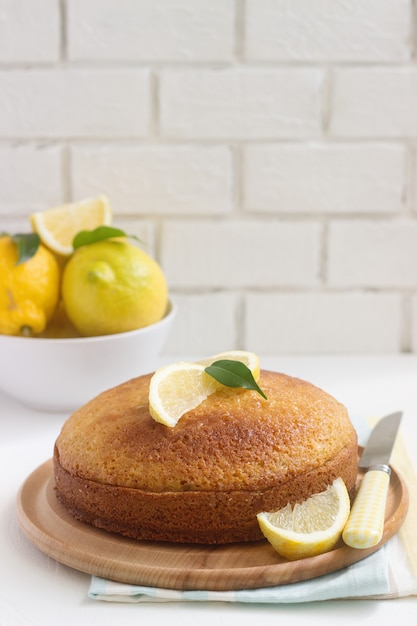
x: 29, y: 31
x: 265, y: 151
x: 384, y: 254
x: 149, y: 30
x: 325, y: 178
x: 31, y: 177
x: 328, y: 31
x: 323, y: 322
x: 237, y: 103
x: 155, y: 179
x: 240, y: 254
x: 376, y: 102
x: 69, y: 103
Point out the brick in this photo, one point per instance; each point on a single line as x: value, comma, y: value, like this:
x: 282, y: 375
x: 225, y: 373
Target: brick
x: 29, y: 31
x: 145, y: 30
x: 301, y: 30
x: 314, y: 323
x: 74, y: 103
x: 240, y: 103
x: 374, y: 102
x: 319, y: 178
x: 30, y: 178
x: 230, y: 254
x: 363, y: 253
x: 204, y: 324
x: 159, y: 179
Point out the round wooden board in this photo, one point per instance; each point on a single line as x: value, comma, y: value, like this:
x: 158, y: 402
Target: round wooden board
x: 49, y: 526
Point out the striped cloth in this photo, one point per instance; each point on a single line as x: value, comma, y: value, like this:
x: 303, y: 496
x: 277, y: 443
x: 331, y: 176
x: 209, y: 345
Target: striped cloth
x: 391, y: 572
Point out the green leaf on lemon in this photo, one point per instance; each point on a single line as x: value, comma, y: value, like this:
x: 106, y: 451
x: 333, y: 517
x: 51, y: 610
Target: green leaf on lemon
x: 233, y: 374
x: 86, y: 237
x: 27, y: 245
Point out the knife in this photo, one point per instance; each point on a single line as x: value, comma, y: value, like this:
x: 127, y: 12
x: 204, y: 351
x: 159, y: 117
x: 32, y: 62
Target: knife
x: 365, y: 524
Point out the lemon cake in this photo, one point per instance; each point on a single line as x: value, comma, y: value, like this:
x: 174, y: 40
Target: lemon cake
x: 206, y: 479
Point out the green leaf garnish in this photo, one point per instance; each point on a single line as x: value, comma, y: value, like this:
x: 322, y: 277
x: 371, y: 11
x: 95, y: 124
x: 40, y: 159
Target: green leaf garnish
x: 86, y: 237
x: 233, y: 374
x: 27, y: 245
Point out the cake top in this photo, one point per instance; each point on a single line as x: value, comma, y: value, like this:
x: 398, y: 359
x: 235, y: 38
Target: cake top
x: 234, y: 440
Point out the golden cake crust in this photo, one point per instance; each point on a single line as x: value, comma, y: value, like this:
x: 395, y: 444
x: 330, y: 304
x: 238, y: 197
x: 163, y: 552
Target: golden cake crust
x: 204, y: 480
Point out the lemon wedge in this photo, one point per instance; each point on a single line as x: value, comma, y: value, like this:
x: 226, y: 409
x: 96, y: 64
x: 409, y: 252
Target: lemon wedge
x: 310, y: 528
x: 180, y: 387
x: 57, y: 226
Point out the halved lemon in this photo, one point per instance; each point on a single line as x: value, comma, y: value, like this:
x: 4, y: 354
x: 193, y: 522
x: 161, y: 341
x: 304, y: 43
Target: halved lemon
x: 250, y: 359
x: 58, y: 226
x: 310, y: 528
x: 178, y: 388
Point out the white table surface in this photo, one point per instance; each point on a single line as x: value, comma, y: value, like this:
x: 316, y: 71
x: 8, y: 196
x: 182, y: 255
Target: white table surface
x: 37, y: 591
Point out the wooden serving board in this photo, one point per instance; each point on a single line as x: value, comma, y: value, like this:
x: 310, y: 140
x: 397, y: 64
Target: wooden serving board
x: 49, y: 526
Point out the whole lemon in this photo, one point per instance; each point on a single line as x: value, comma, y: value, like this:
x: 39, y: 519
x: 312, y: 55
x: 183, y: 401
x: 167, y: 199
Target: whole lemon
x: 111, y: 287
x: 29, y: 291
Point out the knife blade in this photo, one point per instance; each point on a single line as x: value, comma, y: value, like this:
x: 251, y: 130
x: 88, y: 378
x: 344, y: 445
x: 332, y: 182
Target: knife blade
x: 365, y: 524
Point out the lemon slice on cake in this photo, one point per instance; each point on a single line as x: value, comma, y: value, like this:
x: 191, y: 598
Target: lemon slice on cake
x: 58, y: 226
x: 180, y: 387
x: 310, y: 528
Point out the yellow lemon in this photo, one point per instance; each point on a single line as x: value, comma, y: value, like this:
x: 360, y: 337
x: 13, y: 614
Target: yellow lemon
x: 111, y: 287
x: 178, y: 388
x: 58, y: 226
x: 310, y: 528
x: 29, y: 292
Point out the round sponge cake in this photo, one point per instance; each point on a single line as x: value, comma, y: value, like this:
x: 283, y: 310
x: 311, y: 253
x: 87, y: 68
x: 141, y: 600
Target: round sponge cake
x: 204, y: 480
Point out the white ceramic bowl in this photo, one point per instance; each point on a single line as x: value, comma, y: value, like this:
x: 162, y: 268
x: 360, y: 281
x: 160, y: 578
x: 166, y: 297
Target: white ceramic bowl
x: 62, y: 374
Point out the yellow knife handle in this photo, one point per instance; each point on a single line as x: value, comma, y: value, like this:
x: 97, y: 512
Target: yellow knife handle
x: 365, y: 524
